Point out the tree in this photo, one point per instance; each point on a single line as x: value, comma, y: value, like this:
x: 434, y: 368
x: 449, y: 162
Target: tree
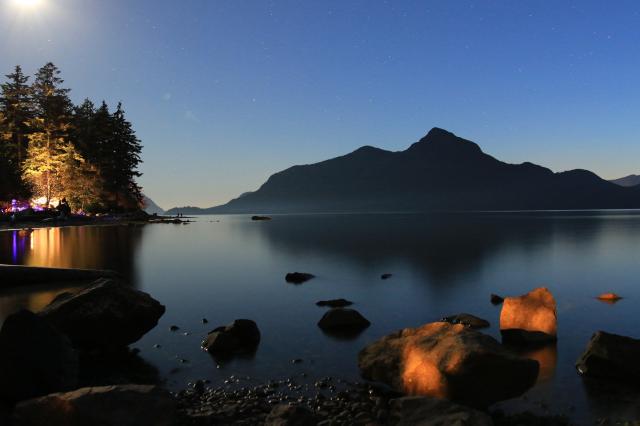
x: 17, y: 108
x: 49, y: 137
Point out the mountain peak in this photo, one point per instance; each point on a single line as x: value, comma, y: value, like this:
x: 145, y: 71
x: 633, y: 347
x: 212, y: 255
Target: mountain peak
x: 444, y: 141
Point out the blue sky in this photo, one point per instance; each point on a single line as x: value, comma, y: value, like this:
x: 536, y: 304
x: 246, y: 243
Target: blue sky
x: 225, y: 93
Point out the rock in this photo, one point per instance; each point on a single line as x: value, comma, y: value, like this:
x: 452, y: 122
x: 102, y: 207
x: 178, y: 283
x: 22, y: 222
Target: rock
x: 260, y: 218
x: 467, y: 320
x: 105, y: 314
x: 290, y: 415
x: 609, y: 298
x: 447, y: 361
x: 174, y: 328
x: 610, y: 356
x: 530, y: 318
x: 335, y: 303
x: 385, y: 276
x: 424, y: 411
x: 496, y: 300
x: 240, y: 336
x: 124, y: 405
x: 35, y: 358
x: 338, y: 319
x: 298, y: 277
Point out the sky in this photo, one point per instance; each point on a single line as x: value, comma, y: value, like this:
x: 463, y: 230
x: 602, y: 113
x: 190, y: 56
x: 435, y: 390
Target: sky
x: 225, y: 93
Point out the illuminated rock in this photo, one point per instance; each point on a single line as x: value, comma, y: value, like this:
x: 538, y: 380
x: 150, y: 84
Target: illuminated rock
x: 241, y: 336
x: 611, y: 356
x: 609, y: 298
x: 424, y: 411
x: 448, y: 361
x: 530, y: 318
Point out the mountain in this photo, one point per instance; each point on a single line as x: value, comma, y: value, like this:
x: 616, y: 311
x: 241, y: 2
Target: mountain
x: 631, y: 180
x: 439, y: 172
x: 151, y: 207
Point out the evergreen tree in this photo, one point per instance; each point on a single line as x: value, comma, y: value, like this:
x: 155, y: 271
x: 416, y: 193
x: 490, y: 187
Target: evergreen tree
x: 17, y: 108
x: 49, y: 140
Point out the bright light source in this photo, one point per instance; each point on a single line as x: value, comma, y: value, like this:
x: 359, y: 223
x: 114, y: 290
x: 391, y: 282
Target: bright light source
x: 27, y: 3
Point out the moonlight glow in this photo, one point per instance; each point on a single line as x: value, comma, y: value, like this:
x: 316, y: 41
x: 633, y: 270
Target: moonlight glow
x: 27, y: 3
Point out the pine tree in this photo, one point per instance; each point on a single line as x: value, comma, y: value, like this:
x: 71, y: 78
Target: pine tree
x: 17, y: 108
x: 49, y: 138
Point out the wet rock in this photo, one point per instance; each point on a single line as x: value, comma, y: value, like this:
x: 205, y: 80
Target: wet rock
x: 105, y: 314
x: 35, y: 358
x: 338, y: 319
x: 610, y: 356
x: 290, y: 415
x: 424, y: 411
x: 467, y: 320
x: 609, y: 298
x: 240, y: 336
x: 385, y: 276
x: 298, y: 277
x: 496, y: 300
x: 174, y: 328
x: 125, y: 405
x: 448, y: 361
x: 530, y: 318
x: 260, y: 218
x: 335, y: 303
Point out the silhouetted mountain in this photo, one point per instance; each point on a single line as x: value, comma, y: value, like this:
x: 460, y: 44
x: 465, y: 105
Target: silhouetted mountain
x: 439, y: 172
x: 187, y: 210
x: 151, y: 207
x: 631, y: 180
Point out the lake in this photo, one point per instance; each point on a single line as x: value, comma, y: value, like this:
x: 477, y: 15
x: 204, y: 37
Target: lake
x: 227, y: 267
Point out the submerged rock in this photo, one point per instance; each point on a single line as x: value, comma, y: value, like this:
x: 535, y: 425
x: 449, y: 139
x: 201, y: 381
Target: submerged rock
x: 610, y: 356
x: 290, y: 415
x: 467, y: 320
x: 385, y: 276
x: 335, y: 303
x: 105, y: 314
x: 424, y: 411
x: 260, y: 218
x: 609, y: 297
x: 448, y: 361
x: 530, y: 318
x: 242, y: 335
x: 298, y: 277
x: 343, y: 319
x: 124, y: 405
x: 35, y: 358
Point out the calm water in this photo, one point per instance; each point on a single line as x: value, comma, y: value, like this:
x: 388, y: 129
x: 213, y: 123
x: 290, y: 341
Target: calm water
x: 228, y: 267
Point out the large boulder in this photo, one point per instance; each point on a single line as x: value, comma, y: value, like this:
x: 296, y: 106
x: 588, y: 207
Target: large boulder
x: 125, y: 405
x: 448, y: 361
x: 35, y: 358
x: 530, y: 318
x: 105, y: 314
x: 290, y: 415
x: 241, y: 336
x: 343, y: 319
x: 425, y: 411
x: 610, y: 356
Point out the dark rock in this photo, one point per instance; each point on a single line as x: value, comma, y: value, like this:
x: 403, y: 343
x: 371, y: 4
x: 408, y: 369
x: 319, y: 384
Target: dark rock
x: 290, y: 415
x: 298, y: 277
x: 205, y: 321
x: 260, y: 218
x: 174, y: 328
x: 338, y: 319
x: 530, y: 318
x: 35, y: 358
x: 496, y: 300
x: 610, y: 356
x: 106, y: 314
x: 448, y: 361
x: 335, y: 303
x: 424, y: 411
x: 385, y: 276
x: 125, y: 405
x: 467, y: 320
x: 240, y: 336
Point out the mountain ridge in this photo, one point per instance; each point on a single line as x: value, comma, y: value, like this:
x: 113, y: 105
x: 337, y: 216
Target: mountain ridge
x: 439, y: 172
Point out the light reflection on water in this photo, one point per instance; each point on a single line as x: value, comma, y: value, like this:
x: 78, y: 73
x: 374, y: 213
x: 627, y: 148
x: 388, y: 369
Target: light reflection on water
x: 441, y: 266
